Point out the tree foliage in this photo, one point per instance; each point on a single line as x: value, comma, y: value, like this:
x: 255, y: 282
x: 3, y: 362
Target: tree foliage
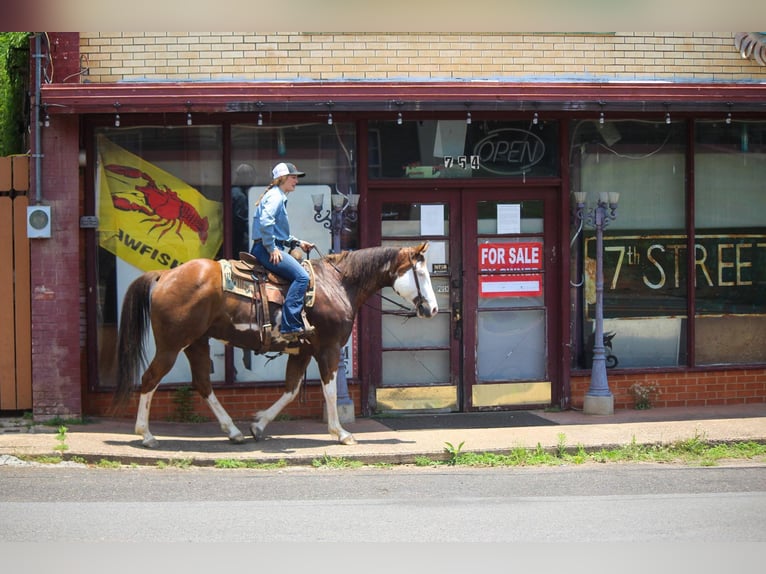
x: 14, y: 101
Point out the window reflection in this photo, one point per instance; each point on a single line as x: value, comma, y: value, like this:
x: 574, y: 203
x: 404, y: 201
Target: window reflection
x: 429, y: 149
x: 645, y: 253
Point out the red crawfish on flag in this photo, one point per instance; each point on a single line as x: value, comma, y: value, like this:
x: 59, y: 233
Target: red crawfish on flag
x: 149, y: 217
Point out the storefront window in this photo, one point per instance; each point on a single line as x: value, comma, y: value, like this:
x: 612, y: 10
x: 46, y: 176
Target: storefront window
x: 141, y: 173
x: 326, y: 153
x: 645, y: 252
x: 730, y: 242
x: 427, y: 149
x: 159, y: 203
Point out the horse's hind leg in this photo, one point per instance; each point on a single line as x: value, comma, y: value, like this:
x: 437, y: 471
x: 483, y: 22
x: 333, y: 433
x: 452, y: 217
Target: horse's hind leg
x: 158, y: 368
x: 198, y: 354
x: 294, y: 373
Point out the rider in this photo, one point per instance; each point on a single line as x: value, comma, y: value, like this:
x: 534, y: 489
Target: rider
x: 271, y: 235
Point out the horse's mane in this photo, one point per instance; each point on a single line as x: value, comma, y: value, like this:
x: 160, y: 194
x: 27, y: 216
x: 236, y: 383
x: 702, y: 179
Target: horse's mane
x: 364, y: 264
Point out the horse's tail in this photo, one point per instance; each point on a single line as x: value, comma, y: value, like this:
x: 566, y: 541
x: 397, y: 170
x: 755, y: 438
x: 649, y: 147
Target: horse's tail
x: 131, y: 340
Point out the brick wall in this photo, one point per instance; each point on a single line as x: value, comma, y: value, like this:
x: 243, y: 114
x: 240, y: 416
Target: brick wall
x: 699, y: 56
x: 734, y: 387
x: 57, y: 280
x: 241, y: 403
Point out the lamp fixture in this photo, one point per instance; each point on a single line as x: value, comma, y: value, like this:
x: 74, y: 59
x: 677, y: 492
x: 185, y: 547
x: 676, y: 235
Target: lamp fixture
x: 399, y: 118
x: 329, y: 115
x: 117, y: 114
x: 667, y: 114
x: 601, y: 118
x: 535, y: 119
x: 468, y: 118
x: 46, y: 117
x: 188, y: 113
x: 728, y: 115
x: 260, y: 115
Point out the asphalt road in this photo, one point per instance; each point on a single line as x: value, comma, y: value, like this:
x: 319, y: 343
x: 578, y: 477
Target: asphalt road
x: 592, y: 503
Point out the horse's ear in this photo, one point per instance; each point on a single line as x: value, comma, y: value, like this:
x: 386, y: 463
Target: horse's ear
x: 423, y: 247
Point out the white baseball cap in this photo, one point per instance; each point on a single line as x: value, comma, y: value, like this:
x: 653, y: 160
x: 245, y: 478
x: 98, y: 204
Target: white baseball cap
x: 285, y: 169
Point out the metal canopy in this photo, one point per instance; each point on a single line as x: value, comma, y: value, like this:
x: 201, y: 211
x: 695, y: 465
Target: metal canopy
x: 310, y: 96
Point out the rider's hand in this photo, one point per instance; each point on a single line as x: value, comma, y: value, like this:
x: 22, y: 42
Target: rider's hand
x: 275, y: 256
x: 306, y: 246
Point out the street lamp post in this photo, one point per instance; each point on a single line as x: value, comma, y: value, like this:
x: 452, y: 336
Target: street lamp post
x: 599, y: 399
x: 343, y: 210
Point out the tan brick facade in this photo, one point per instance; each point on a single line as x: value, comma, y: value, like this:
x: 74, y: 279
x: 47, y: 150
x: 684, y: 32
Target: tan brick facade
x: 628, y: 56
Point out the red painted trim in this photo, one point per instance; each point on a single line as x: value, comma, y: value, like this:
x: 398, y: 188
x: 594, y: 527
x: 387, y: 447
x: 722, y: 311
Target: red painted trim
x: 376, y: 96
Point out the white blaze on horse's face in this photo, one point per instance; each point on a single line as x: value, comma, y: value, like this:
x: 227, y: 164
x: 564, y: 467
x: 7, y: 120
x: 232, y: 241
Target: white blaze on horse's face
x: 418, y: 290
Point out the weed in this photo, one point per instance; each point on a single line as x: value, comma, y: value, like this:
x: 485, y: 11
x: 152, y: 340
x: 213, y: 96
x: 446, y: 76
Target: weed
x: 61, y: 440
x: 643, y: 395
x: 327, y: 461
x: 561, y: 445
x: 237, y: 463
x: 453, y: 452
x: 175, y: 463
x: 105, y: 463
x: 184, y: 411
x: 59, y: 421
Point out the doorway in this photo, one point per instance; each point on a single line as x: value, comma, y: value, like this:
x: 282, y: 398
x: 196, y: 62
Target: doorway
x: 492, y: 258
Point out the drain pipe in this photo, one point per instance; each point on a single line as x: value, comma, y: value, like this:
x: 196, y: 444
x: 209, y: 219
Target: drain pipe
x: 36, y: 152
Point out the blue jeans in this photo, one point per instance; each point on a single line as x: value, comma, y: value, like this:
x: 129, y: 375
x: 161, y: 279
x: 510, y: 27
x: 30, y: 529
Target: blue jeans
x: 289, y: 268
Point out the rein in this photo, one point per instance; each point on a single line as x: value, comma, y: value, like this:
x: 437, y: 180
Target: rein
x: 410, y: 313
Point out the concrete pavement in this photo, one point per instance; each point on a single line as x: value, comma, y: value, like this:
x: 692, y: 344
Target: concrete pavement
x: 299, y: 442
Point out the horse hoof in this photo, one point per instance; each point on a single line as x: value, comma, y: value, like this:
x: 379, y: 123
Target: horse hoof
x: 237, y: 439
x: 348, y: 439
x: 256, y: 432
x: 151, y: 443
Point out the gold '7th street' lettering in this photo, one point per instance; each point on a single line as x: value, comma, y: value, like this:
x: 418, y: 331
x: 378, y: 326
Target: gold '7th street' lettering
x: 621, y: 250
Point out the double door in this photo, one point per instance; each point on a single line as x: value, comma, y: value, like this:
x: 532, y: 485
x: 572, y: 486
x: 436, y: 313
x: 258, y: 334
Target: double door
x: 494, y: 268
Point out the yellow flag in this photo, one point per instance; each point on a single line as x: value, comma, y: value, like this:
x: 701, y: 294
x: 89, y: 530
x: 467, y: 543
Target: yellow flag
x: 150, y: 218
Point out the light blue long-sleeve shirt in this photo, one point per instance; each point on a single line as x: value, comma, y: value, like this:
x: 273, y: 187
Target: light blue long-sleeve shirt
x: 270, y: 221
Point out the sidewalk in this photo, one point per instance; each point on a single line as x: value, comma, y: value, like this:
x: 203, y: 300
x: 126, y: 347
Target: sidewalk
x: 299, y: 442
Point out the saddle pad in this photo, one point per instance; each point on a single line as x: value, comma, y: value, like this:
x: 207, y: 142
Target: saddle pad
x: 235, y: 284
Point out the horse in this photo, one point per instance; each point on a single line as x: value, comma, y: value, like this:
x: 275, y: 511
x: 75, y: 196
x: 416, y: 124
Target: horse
x: 187, y: 305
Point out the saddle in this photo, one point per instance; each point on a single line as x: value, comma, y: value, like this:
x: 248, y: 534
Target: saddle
x: 246, y: 277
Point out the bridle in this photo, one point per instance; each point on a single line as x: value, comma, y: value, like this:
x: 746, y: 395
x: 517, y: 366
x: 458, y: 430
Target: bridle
x: 419, y: 299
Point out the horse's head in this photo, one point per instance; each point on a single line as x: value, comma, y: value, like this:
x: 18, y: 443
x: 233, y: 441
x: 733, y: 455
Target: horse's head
x: 413, y: 282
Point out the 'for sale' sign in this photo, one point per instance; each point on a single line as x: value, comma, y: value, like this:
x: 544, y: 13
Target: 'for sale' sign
x: 510, y: 256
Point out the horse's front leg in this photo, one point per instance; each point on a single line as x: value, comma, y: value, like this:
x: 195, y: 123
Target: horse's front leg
x: 328, y: 369
x: 295, y: 372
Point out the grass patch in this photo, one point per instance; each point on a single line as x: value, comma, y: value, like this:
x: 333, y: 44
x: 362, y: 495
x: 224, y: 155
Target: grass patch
x: 237, y: 463
x: 59, y: 421
x: 693, y: 451
x: 335, y: 462
x: 175, y: 463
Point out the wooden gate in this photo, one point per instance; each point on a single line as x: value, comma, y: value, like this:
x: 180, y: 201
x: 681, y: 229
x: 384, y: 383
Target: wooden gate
x: 15, y: 296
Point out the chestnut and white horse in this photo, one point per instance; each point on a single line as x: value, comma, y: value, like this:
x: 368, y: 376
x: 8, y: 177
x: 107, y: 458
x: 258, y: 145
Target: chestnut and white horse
x: 187, y: 305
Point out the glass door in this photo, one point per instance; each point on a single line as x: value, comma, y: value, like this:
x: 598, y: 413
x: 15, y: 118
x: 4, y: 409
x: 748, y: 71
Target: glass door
x: 492, y: 258
x: 510, y: 292
x: 419, y: 359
